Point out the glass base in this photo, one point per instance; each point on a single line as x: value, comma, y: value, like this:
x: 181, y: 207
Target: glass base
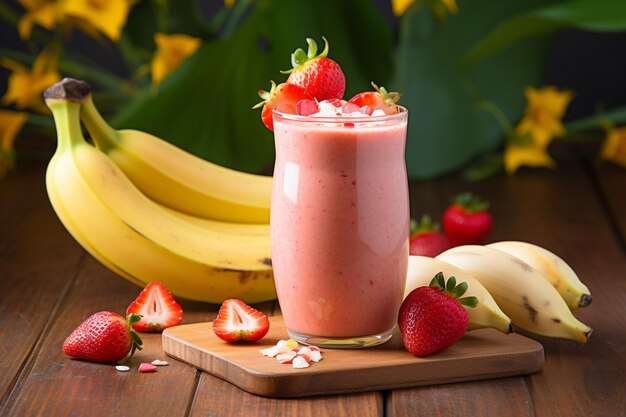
x: 341, y: 342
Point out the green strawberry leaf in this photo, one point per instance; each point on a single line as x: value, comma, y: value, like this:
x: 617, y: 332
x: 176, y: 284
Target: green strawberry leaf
x: 469, y: 301
x: 459, y: 290
x: 453, y: 290
x: 450, y: 285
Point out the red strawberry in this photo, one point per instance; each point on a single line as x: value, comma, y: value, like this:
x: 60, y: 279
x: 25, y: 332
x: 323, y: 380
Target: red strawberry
x: 322, y: 77
x: 237, y: 321
x: 157, y: 308
x: 103, y: 337
x: 432, y: 318
x: 467, y: 221
x: 378, y: 99
x: 426, y: 239
x: 283, y: 98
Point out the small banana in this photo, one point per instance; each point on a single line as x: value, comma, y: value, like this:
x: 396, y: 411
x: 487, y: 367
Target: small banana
x: 531, y: 302
x: 486, y: 314
x: 553, y: 268
x: 178, y: 179
x: 107, y: 215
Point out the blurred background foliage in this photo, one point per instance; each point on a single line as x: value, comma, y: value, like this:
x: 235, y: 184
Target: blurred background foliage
x: 472, y: 73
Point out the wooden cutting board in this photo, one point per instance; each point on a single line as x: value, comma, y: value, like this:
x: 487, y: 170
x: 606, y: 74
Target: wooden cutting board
x: 481, y: 354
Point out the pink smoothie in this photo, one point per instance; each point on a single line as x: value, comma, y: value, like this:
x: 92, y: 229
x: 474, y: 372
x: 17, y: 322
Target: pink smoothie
x: 340, y: 225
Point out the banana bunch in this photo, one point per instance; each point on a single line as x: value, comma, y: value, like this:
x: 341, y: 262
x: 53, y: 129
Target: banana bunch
x: 151, y: 212
x: 516, y: 283
x: 525, y: 290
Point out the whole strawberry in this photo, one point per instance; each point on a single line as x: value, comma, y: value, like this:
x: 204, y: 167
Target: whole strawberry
x: 104, y: 337
x: 432, y: 318
x: 467, y: 221
x: 319, y: 75
x: 426, y: 239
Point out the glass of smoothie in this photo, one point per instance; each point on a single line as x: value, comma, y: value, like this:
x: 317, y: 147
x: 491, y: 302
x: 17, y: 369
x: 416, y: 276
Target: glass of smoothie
x: 340, y: 226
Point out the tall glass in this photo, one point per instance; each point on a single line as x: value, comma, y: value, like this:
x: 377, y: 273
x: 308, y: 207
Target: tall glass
x: 340, y: 227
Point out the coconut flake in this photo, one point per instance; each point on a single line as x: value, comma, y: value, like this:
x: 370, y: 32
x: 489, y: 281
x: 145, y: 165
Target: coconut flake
x: 316, y: 356
x: 286, y: 357
x: 299, y: 362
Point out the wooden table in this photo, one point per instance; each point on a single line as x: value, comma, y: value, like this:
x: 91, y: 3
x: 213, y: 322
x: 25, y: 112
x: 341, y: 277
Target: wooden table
x: 49, y: 284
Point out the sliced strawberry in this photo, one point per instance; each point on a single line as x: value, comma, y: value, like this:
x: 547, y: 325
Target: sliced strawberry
x: 351, y: 108
x: 157, y: 308
x: 306, y: 107
x: 283, y: 97
x: 378, y: 99
x: 237, y: 321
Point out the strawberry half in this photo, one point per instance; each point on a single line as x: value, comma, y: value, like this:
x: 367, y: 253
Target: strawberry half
x: 380, y: 98
x: 157, y: 308
x: 104, y: 337
x: 283, y: 97
x: 322, y: 77
x: 236, y: 321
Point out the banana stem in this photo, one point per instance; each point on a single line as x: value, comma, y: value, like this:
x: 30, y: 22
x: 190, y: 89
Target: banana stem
x: 103, y: 135
x: 67, y: 120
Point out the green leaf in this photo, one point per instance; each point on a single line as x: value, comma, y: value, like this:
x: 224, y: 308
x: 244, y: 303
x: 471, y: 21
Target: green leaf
x: 459, y: 290
x: 451, y: 285
x: 469, y: 301
x: 446, y: 128
x: 609, y: 16
x: 438, y: 281
x: 205, y: 105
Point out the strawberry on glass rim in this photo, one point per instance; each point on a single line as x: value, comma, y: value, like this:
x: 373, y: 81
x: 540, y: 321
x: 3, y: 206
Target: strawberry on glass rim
x: 322, y: 77
x: 157, y: 308
x: 283, y: 97
x: 379, y: 99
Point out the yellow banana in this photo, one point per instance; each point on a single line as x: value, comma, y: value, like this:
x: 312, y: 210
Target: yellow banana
x: 553, y: 268
x: 246, y: 229
x: 95, y: 222
x: 421, y: 271
x: 178, y: 179
x: 531, y: 302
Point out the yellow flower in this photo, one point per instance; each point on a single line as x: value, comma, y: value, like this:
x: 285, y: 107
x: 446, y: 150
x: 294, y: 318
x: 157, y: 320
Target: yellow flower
x: 229, y: 3
x: 10, y: 124
x: 439, y: 7
x: 45, y: 13
x: 171, y: 51
x: 544, y: 110
x: 25, y: 86
x: 107, y: 16
x: 526, y: 155
x: 451, y: 6
x: 614, y: 147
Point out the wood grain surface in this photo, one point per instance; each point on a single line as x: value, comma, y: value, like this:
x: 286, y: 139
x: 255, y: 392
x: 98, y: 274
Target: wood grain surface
x: 481, y: 354
x: 48, y: 285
